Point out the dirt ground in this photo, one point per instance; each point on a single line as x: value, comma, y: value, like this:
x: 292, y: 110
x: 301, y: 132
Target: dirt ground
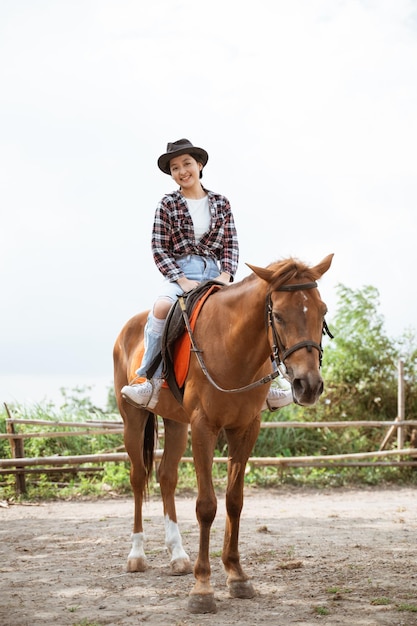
x: 331, y: 557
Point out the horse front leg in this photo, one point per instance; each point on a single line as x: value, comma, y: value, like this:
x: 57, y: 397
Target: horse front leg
x: 176, y: 436
x: 240, y: 445
x: 139, y: 439
x: 201, y: 598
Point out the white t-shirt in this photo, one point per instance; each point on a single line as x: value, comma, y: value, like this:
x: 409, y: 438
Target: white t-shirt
x: 200, y: 214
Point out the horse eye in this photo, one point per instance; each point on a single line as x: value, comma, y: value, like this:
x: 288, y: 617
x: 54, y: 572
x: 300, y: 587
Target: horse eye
x: 277, y: 318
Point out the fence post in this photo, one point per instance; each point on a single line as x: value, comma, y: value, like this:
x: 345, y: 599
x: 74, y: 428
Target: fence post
x: 16, y: 445
x: 401, y: 405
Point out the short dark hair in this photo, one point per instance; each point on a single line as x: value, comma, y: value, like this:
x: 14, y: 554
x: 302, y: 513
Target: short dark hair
x: 197, y: 157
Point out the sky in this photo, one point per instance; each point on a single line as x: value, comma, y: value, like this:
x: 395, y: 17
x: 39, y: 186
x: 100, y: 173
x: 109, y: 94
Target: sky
x: 307, y: 109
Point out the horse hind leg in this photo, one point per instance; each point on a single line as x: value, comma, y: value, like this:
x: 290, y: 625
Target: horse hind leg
x: 139, y: 438
x: 180, y: 561
x: 136, y: 559
x: 176, y: 436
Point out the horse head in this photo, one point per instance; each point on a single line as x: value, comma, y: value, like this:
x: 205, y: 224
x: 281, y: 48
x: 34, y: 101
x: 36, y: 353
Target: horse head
x: 295, y: 314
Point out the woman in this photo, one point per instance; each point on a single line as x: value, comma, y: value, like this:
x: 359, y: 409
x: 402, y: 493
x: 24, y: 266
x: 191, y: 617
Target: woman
x: 193, y: 239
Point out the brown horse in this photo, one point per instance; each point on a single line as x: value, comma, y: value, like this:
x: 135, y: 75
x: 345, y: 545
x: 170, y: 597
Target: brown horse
x: 276, y: 311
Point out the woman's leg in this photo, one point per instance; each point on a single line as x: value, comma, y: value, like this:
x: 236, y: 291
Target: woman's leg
x: 153, y: 336
x: 146, y: 394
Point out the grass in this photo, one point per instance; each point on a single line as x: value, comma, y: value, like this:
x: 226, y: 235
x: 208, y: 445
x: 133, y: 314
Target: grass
x: 411, y: 608
x: 381, y: 601
x: 114, y: 477
x: 115, y: 481
x: 339, y: 590
x: 216, y: 554
x: 321, y: 610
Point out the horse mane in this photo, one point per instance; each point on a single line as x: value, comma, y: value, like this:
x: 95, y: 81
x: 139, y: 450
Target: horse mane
x: 286, y: 270
x: 289, y: 269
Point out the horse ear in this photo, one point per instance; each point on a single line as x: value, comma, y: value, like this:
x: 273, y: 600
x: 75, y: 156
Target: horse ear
x: 262, y: 272
x: 323, y: 266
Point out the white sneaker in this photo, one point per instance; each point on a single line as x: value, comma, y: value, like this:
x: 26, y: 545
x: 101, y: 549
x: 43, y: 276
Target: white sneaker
x: 277, y: 398
x: 143, y: 395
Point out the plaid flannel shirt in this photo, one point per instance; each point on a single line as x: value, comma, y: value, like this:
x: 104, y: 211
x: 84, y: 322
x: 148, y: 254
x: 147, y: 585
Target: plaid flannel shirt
x: 173, y: 235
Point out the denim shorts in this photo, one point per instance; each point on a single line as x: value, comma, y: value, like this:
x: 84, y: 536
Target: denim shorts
x: 195, y: 268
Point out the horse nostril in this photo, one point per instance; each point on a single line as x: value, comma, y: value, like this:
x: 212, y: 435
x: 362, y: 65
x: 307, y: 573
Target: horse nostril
x: 297, y: 386
x: 302, y: 389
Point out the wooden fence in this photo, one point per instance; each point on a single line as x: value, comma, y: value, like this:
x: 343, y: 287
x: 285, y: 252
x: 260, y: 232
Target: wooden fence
x: 19, y: 465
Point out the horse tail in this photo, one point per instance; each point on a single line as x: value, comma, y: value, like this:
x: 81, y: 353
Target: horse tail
x: 149, y: 440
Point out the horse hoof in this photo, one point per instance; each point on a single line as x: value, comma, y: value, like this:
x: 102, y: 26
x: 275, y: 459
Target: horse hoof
x: 202, y: 603
x: 241, y: 589
x: 138, y: 564
x: 180, y: 567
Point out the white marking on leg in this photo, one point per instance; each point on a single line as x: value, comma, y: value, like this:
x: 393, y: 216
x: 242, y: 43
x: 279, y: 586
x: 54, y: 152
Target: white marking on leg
x: 173, y: 540
x: 137, y: 551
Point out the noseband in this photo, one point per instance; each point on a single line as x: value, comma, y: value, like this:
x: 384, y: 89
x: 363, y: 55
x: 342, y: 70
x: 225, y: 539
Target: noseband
x: 279, y: 351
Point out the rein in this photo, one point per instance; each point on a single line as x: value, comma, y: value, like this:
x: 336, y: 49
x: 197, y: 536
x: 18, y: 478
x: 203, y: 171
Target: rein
x: 277, y: 345
x: 200, y: 359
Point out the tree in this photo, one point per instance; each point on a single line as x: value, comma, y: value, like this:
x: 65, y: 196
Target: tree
x: 360, y: 364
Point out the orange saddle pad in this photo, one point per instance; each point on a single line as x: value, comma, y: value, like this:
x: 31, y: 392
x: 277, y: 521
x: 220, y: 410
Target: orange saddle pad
x: 182, y: 348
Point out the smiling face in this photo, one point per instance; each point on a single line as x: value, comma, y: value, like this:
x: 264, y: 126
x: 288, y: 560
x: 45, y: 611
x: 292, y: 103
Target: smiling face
x: 185, y: 170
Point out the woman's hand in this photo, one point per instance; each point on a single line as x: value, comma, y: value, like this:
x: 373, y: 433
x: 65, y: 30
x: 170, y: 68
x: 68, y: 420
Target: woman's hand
x: 186, y: 284
x: 224, y: 278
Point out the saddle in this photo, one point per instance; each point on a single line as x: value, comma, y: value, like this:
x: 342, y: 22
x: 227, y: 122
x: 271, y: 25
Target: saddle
x: 176, y: 343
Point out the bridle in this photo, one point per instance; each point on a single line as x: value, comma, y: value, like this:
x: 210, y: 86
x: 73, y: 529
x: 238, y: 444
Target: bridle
x: 279, y: 352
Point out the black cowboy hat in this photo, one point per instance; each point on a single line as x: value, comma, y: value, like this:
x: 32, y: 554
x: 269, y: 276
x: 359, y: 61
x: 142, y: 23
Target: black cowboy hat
x: 182, y: 146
